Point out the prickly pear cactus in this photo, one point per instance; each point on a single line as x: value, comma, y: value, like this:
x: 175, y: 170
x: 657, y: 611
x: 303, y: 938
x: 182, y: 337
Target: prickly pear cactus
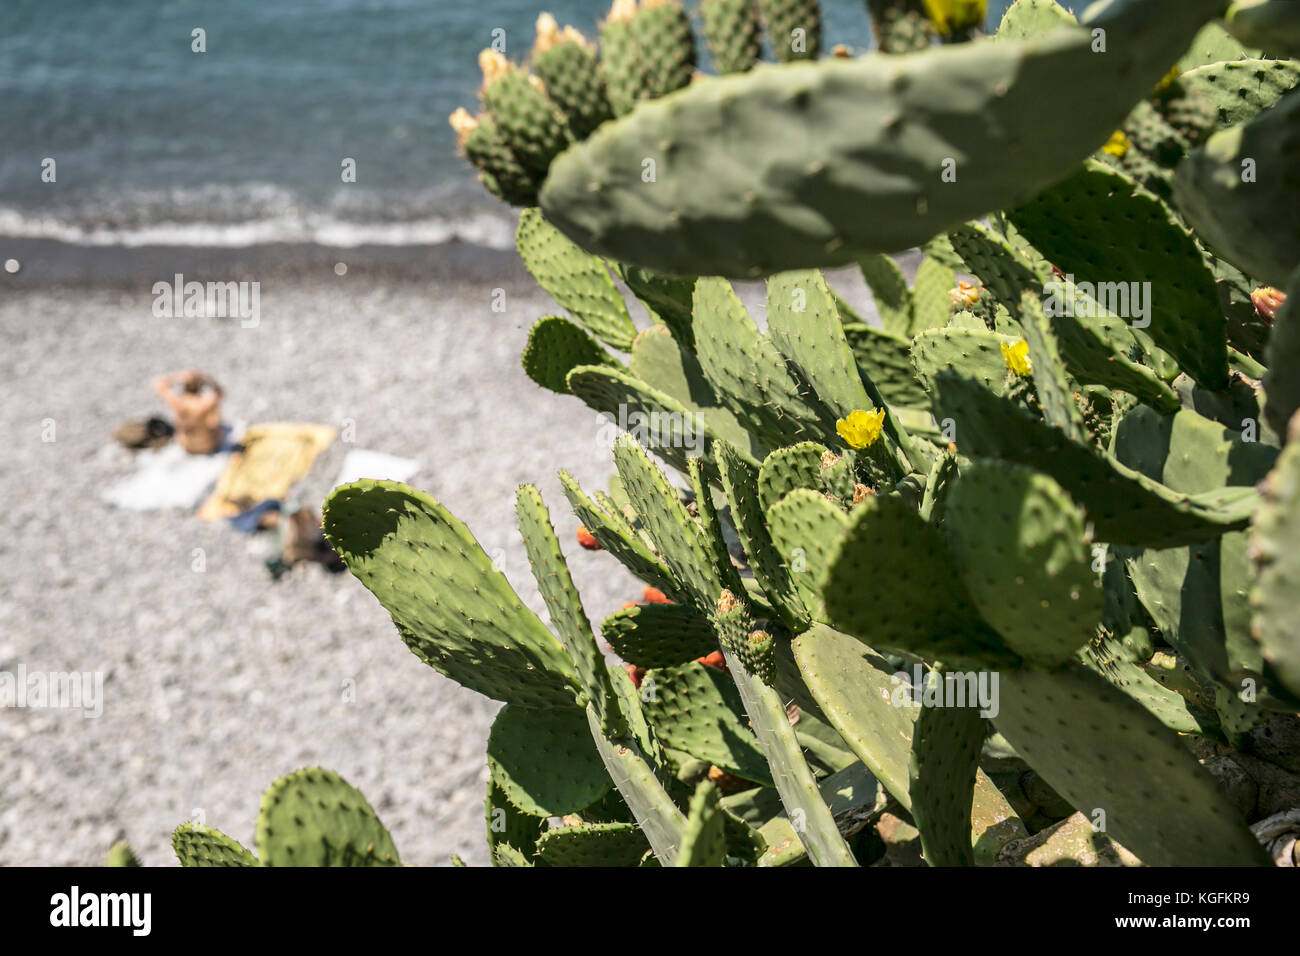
x: 1015, y: 565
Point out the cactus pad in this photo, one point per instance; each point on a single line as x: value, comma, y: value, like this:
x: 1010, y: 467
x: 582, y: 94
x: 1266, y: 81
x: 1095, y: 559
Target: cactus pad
x: 314, y: 817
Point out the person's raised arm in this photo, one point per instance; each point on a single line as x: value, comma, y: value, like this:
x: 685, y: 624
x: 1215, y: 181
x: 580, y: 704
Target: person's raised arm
x: 163, y: 385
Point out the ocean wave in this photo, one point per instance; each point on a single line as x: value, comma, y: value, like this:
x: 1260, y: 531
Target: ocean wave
x: 256, y: 214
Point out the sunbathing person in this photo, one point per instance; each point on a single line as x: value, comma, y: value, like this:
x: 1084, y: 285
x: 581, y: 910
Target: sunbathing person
x: 197, y: 409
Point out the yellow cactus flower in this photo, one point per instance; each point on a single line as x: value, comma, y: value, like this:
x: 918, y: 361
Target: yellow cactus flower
x: 861, y: 428
x: 1170, y: 78
x: 1016, y: 355
x: 949, y: 16
x: 1117, y: 145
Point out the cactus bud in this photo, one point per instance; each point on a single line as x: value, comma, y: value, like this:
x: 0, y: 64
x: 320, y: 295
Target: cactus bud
x: 965, y: 296
x: 1267, y: 300
x: 463, y: 123
x: 493, y: 66
x: 548, y: 33
x: 620, y: 11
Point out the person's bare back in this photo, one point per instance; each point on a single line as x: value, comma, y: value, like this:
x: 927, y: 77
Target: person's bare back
x: 196, y: 407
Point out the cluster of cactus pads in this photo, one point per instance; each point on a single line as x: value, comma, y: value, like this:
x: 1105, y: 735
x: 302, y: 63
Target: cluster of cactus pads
x: 1021, y: 481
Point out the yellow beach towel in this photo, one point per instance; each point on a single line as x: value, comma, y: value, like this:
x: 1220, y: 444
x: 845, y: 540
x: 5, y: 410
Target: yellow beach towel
x: 275, y: 456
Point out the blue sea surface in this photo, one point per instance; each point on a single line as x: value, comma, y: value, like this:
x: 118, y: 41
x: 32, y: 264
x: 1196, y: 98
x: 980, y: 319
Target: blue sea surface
x: 157, y: 144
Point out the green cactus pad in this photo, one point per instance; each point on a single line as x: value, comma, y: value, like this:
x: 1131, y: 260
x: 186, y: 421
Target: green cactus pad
x: 805, y: 527
x: 621, y: 63
x: 852, y: 795
x: 1275, y: 548
x: 565, y: 606
x: 668, y: 298
x: 705, y: 842
x: 747, y: 371
x: 1027, y: 19
x: 740, y: 482
x: 855, y: 688
x: 938, y: 483
x: 696, y: 709
x: 974, y: 353
x: 1196, y: 595
x: 733, y: 34
x: 616, y: 537
x: 555, y: 347
x: 805, y: 804
x: 575, y: 84
x: 659, y: 361
x: 1239, y: 90
x: 945, y: 758
x: 706, y: 519
x: 314, y: 817
x: 659, y: 635
x: 638, y: 783
x: 931, y: 302
x: 794, y: 28
x: 666, y: 45
x: 1073, y: 224
x: 528, y: 119
x: 576, y: 280
x: 453, y: 608
x: 857, y: 169
x: 507, y: 825
x: 1124, y: 506
x: 500, y: 170
x: 1273, y: 25
x: 593, y: 844
x: 1248, y: 223
x: 666, y: 426
x: 1022, y: 548
x: 804, y: 324
x: 1108, y: 658
x: 120, y: 854
x: 544, y: 762
x: 1157, y: 800
x: 1213, y: 44
x: 885, y: 359
x: 640, y: 734
x: 197, y: 845
x: 900, y: 26
x: 1095, y: 348
x: 1052, y: 385
x: 889, y: 289
x: 681, y: 543
x: 890, y: 554
x: 798, y: 466
x: 1282, y: 381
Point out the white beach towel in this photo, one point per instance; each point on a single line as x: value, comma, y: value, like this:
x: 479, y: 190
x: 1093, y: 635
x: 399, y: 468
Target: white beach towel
x: 167, y: 477
x: 361, y: 463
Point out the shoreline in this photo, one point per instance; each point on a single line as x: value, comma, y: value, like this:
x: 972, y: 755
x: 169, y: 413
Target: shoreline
x: 54, y: 263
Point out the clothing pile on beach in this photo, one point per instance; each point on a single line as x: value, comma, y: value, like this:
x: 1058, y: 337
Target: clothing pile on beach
x: 262, y: 476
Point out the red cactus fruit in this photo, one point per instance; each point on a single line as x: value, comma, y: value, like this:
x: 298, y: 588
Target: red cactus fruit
x: 655, y: 596
x: 636, y: 673
x: 714, y: 659
x: 587, y: 539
